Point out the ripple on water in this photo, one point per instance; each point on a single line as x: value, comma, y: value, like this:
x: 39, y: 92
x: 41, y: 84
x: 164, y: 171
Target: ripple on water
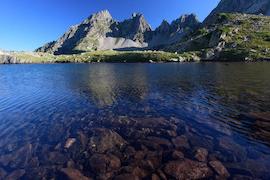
x: 139, y: 120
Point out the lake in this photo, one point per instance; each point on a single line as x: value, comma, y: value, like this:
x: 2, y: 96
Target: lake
x: 190, y: 120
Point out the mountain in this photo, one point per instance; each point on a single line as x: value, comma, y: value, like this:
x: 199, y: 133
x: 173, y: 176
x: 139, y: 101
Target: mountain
x: 101, y: 32
x: 167, y: 33
x: 229, y: 37
x: 240, y: 6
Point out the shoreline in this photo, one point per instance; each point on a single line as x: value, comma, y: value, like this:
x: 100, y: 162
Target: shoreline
x: 115, y: 57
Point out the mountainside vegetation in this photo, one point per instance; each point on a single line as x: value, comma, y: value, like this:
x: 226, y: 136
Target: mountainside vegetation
x: 230, y: 37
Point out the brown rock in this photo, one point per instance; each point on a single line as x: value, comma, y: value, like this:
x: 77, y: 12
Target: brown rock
x: 171, y: 133
x: 83, y: 139
x: 201, y: 154
x: 160, y: 141
x: 74, y: 174
x: 161, y: 174
x: 147, y: 165
x: 141, y: 173
x: 181, y: 142
x: 126, y: 177
x: 139, y: 155
x: 70, y: 142
x: 155, y: 158
x: 219, y: 168
x: 104, y: 140
x: 101, y: 163
x: 188, y: 169
x: 177, y: 155
x: 15, y: 174
x: 155, y: 177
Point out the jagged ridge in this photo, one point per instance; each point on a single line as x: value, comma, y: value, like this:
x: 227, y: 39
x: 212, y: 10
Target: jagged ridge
x: 101, y: 32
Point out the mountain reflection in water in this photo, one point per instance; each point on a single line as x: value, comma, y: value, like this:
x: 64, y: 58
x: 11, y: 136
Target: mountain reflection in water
x: 112, y: 120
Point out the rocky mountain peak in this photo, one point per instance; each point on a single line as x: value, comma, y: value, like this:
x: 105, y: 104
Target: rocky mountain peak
x: 164, y: 27
x: 99, y: 16
x: 140, y: 22
x: 240, y: 6
x: 133, y: 28
x: 185, y: 21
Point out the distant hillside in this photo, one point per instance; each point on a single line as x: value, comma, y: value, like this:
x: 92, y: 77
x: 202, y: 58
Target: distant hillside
x: 230, y: 37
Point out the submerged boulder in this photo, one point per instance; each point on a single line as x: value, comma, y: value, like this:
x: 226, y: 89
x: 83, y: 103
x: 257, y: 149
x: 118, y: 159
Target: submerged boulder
x: 104, y: 140
x: 187, y: 169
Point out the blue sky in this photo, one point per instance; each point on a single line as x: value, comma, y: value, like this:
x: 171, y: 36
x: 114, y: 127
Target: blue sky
x: 28, y: 24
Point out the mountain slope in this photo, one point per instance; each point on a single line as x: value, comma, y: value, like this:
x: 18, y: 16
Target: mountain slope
x: 101, y: 32
x: 240, y: 6
x: 230, y: 37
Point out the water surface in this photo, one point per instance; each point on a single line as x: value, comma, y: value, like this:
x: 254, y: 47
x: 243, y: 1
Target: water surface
x: 224, y: 108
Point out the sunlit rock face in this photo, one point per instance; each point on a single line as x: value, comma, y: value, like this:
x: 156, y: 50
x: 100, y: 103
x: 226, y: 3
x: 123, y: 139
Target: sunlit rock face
x: 101, y: 32
x: 241, y: 6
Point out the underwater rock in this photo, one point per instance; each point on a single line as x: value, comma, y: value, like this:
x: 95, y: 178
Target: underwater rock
x: 201, y: 154
x: 101, y: 164
x: 181, y: 142
x: 188, y: 169
x: 104, y: 140
x: 219, y: 168
x: 74, y: 174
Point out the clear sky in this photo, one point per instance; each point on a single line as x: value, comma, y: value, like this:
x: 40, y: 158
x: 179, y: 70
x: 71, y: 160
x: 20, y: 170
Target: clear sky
x: 28, y: 24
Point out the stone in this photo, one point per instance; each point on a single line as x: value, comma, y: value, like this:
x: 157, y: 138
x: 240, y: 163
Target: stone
x: 74, y: 174
x: 161, y: 174
x: 181, y: 142
x: 104, y: 140
x: 139, y: 172
x: 126, y: 176
x: 70, y: 142
x: 219, y: 168
x: 201, y: 154
x: 102, y: 164
x: 188, y: 169
x: 155, y: 177
x: 177, y: 155
x: 156, y: 143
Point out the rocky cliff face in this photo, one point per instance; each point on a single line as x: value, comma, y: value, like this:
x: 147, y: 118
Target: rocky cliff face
x: 101, y: 32
x: 167, y: 33
x: 240, y: 6
x: 134, y: 28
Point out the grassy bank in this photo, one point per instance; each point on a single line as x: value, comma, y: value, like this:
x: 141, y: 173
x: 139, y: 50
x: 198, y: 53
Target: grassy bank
x: 102, y: 56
